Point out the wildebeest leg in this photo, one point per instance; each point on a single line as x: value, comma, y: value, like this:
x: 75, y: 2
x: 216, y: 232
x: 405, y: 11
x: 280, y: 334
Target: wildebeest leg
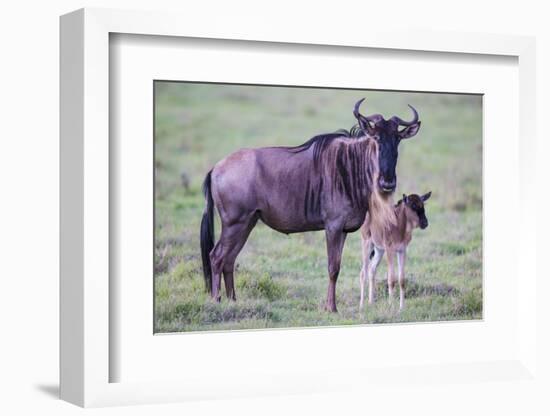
x: 216, y: 262
x: 222, y: 257
x: 373, y: 265
x: 335, y: 244
x: 401, y: 256
x: 366, y: 248
x: 391, y: 273
x: 228, y: 269
x: 235, y: 243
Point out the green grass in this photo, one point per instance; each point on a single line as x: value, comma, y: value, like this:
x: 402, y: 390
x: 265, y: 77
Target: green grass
x: 281, y: 280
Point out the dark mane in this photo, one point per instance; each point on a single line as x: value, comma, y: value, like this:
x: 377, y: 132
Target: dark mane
x: 322, y: 141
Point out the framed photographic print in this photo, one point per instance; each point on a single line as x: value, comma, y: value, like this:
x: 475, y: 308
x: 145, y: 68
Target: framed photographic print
x: 268, y: 249
x: 290, y: 212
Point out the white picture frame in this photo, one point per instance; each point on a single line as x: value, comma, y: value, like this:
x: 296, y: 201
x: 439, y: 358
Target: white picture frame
x: 86, y: 356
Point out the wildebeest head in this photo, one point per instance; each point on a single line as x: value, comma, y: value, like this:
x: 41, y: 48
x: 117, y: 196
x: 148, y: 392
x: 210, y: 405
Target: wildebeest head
x: 416, y: 203
x: 388, y: 134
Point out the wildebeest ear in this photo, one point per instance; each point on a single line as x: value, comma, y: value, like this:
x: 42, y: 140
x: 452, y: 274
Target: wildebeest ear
x: 425, y: 197
x: 409, y: 131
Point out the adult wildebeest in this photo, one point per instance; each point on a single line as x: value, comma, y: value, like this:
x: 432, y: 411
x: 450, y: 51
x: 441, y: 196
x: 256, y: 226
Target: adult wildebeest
x: 409, y: 214
x: 328, y: 183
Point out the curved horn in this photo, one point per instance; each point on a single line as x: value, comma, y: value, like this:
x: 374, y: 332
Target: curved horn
x: 373, y: 118
x: 356, y: 112
x: 407, y: 123
x: 364, y: 122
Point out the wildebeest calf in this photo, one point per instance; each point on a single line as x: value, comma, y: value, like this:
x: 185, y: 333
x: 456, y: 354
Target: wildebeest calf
x: 410, y: 214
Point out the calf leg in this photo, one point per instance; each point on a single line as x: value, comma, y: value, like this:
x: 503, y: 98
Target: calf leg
x: 373, y: 266
x: 401, y: 256
x: 335, y: 244
x: 390, y: 254
x: 366, y: 246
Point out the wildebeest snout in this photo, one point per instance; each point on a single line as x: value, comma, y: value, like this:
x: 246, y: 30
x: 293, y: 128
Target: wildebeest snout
x: 387, y: 185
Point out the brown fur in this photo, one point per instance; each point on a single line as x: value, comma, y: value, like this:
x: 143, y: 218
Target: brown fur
x: 391, y: 235
x: 376, y: 240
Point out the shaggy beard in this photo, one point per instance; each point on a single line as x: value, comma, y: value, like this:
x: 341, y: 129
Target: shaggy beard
x: 381, y: 213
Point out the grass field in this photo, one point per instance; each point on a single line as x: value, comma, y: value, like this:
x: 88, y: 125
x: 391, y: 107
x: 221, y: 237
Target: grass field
x: 281, y: 280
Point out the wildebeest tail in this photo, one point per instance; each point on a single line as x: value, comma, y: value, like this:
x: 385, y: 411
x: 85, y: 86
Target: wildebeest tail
x: 207, y: 231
